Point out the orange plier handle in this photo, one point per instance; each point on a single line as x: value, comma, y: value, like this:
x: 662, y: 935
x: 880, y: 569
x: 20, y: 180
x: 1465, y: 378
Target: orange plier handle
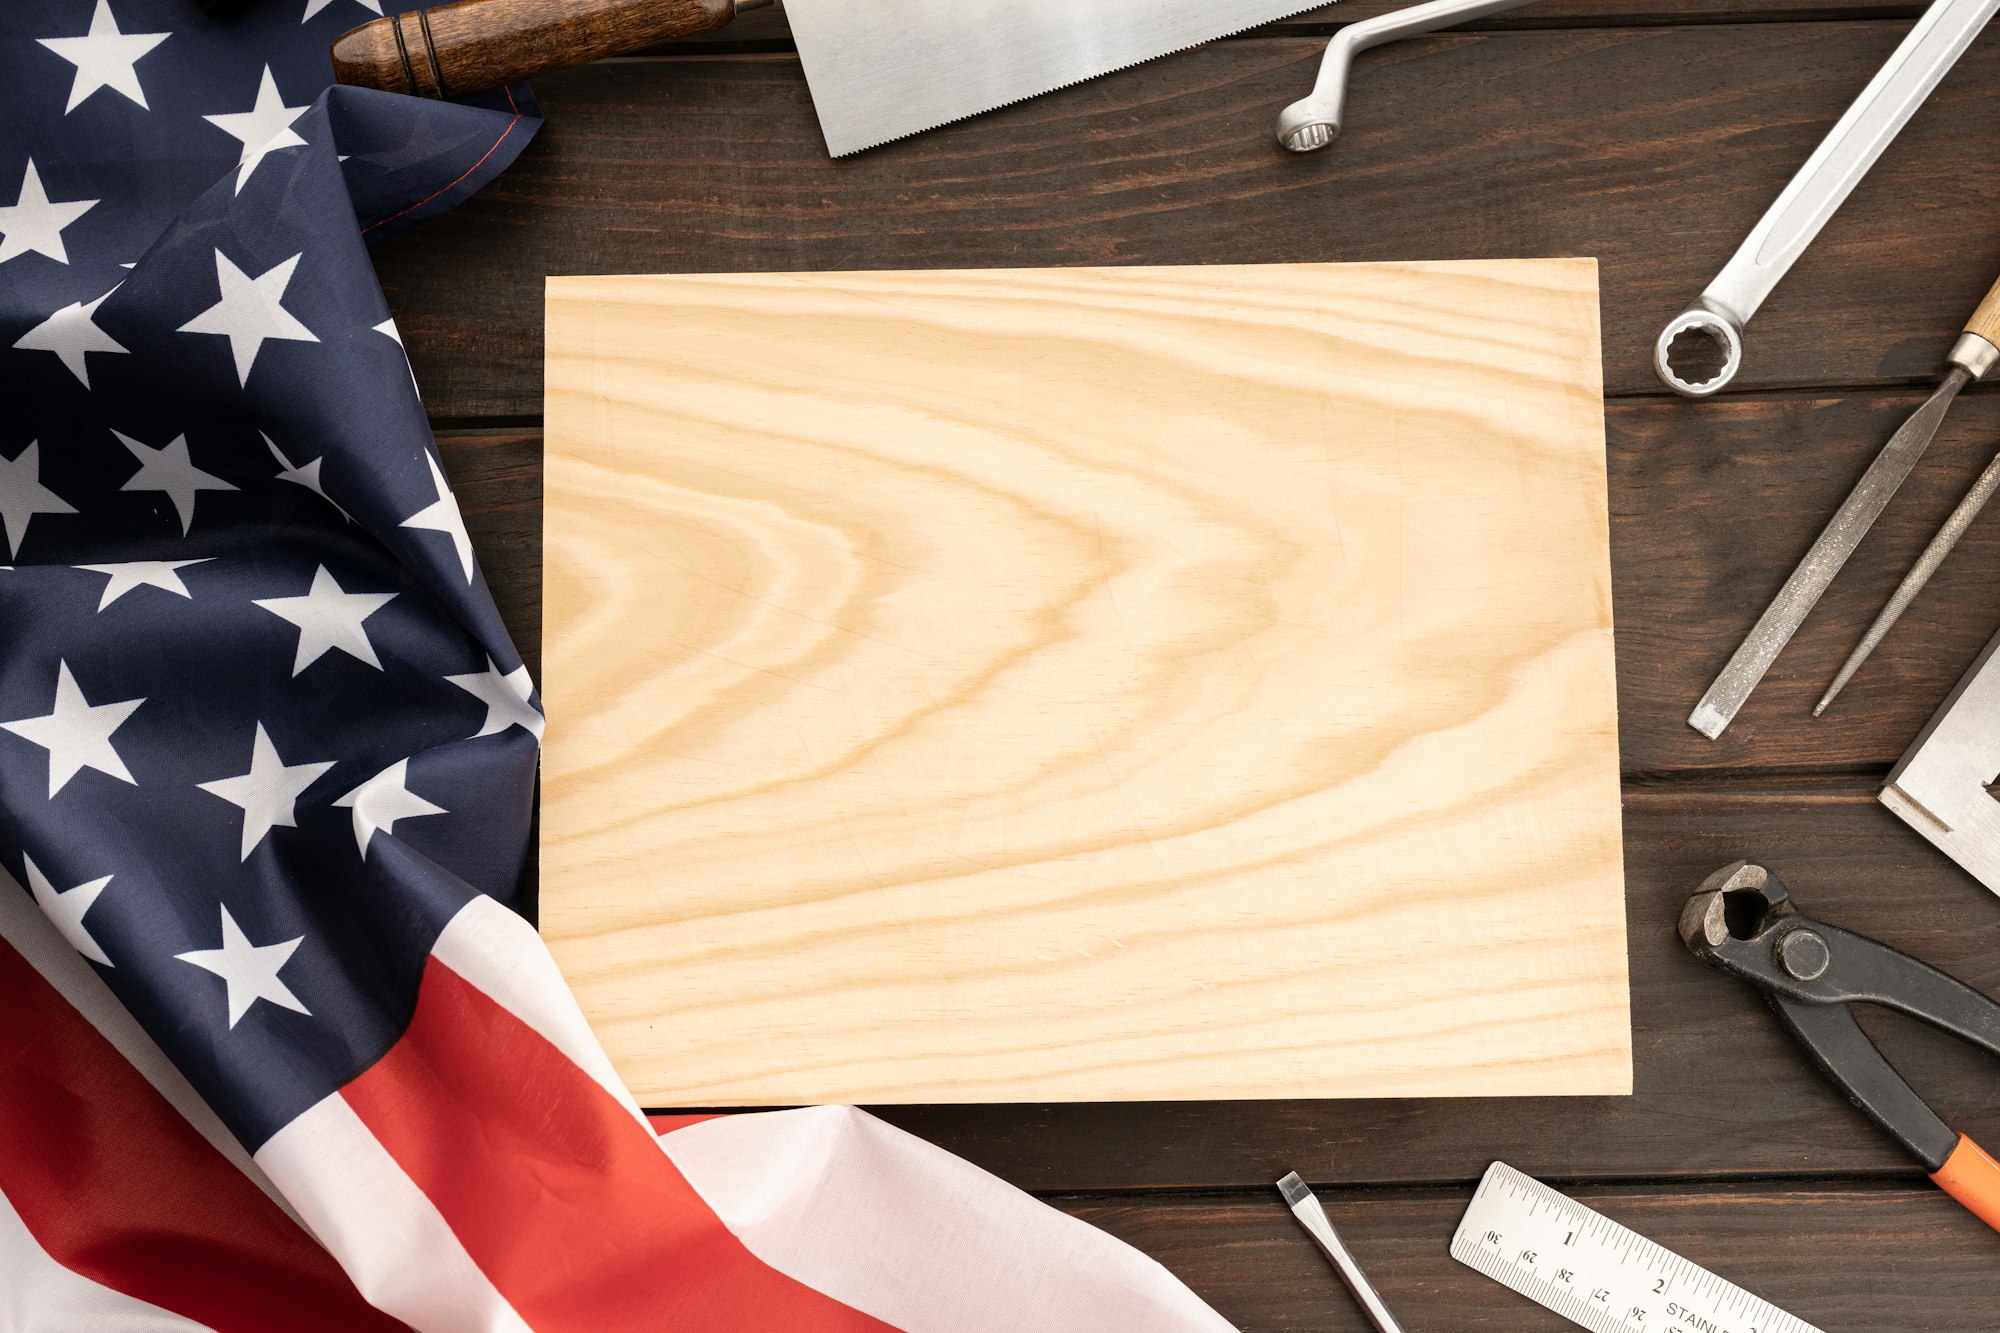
x: 1971, y: 1176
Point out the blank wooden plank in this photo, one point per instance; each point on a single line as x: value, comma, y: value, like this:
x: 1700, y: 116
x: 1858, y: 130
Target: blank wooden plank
x: 1720, y: 1090
x: 1852, y: 1259
x: 1712, y: 503
x: 1084, y: 684
x: 1655, y: 150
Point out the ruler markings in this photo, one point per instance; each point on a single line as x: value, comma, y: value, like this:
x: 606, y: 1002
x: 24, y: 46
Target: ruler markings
x: 1526, y: 1236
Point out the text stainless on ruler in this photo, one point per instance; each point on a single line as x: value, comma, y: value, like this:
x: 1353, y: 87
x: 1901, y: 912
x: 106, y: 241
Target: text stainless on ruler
x: 1593, y: 1272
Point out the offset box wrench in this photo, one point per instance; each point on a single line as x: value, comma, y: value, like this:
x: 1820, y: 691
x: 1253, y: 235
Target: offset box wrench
x: 1743, y: 922
x: 1313, y: 121
x: 1821, y: 185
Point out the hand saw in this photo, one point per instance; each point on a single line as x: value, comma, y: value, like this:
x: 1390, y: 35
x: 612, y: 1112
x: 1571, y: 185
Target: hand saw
x: 878, y: 69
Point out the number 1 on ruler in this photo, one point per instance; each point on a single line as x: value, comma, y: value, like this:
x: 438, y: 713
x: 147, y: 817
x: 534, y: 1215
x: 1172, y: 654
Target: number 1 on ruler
x: 1593, y: 1272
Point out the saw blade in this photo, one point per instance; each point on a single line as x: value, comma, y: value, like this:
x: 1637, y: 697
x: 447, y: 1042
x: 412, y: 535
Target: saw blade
x: 883, y: 69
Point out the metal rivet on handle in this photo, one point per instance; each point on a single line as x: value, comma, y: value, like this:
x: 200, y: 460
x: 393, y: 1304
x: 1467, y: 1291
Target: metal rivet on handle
x: 1804, y: 955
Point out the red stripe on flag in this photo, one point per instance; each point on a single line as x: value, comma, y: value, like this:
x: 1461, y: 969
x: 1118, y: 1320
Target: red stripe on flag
x: 666, y: 1122
x: 118, y: 1188
x: 560, y: 1195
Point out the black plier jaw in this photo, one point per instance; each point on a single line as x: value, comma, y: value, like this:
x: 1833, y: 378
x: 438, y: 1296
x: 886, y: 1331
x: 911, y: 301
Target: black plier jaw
x: 1742, y: 921
x: 1737, y: 901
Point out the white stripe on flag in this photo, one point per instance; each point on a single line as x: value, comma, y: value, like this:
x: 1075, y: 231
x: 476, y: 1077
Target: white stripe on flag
x: 36, y: 939
x: 385, y: 1232
x: 38, y: 1293
x: 495, y: 951
x: 904, y: 1231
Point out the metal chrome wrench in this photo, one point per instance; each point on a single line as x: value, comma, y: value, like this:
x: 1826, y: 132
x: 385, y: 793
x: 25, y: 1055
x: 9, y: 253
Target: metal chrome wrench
x: 1821, y: 185
x: 1312, y: 121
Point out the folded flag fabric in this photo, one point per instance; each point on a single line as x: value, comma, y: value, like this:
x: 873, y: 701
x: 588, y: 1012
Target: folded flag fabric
x: 277, y: 1048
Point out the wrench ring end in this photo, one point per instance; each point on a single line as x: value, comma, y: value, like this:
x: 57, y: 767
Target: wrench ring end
x: 1305, y: 126
x: 1722, y: 329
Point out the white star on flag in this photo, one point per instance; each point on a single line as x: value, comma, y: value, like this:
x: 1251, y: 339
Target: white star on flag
x: 250, y: 971
x: 387, y: 328
x: 314, y: 6
x: 32, y: 222
x: 505, y: 697
x: 306, y: 475
x: 131, y: 574
x: 329, y: 618
x: 382, y: 800
x: 22, y: 495
x: 269, y: 793
x: 264, y: 128
x: 104, y: 57
x: 250, y: 312
x: 77, y: 734
x: 71, y: 332
x: 169, y: 469
x: 441, y: 515
x: 66, y: 909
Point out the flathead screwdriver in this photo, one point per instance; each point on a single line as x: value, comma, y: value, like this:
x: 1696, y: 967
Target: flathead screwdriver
x: 1306, y: 1207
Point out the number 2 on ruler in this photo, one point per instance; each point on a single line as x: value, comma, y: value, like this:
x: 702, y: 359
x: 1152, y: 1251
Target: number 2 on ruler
x: 1595, y: 1273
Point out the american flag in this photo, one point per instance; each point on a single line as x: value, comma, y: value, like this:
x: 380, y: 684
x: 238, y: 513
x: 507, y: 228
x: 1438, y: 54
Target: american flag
x: 277, y: 1048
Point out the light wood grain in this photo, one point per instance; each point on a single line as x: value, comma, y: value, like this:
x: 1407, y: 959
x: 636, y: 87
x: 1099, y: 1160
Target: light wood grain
x: 1084, y: 684
x: 1985, y: 320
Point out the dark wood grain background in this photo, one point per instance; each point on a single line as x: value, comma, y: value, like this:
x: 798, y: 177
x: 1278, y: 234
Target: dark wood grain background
x: 1649, y: 133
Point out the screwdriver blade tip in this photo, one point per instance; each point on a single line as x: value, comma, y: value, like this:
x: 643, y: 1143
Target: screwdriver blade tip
x: 1294, y: 1189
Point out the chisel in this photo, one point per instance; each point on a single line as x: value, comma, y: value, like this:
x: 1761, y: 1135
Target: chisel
x: 1975, y: 352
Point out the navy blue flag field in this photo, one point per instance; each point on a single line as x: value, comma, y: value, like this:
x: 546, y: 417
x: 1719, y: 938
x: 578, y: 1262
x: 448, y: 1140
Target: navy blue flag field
x: 277, y: 1049
x: 245, y: 631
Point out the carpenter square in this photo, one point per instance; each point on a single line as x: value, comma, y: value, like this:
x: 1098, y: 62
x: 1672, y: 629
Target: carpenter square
x: 1975, y: 352
x: 878, y: 69
x: 1943, y: 786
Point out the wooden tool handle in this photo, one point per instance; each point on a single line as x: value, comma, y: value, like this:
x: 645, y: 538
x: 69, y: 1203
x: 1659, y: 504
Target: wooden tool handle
x: 1985, y: 321
x: 474, y: 45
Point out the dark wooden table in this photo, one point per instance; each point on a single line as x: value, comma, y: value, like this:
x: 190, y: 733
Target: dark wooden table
x: 1649, y: 133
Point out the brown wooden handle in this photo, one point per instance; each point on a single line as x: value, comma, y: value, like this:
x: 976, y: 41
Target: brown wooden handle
x: 1985, y: 321
x: 474, y: 45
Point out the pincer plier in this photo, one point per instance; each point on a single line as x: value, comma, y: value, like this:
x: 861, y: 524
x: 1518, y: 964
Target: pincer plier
x: 1742, y: 921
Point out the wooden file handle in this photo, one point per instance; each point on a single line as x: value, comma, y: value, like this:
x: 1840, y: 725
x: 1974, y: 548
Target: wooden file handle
x: 1985, y: 321
x: 474, y: 45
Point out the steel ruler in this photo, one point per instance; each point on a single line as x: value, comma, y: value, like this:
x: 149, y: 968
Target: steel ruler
x: 1588, y: 1269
